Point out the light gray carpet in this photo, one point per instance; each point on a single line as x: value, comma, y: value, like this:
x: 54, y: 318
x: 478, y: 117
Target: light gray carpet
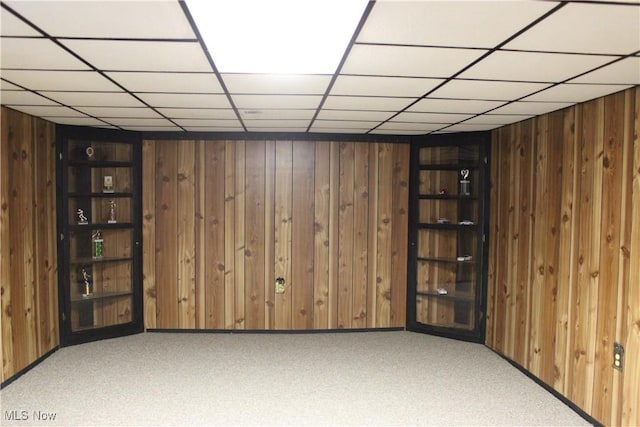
x: 372, y: 378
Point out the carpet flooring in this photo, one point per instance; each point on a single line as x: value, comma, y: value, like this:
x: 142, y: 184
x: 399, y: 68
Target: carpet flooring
x: 360, y: 378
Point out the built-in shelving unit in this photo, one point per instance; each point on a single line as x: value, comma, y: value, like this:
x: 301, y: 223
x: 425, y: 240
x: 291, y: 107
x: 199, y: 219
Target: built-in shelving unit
x: 447, y: 259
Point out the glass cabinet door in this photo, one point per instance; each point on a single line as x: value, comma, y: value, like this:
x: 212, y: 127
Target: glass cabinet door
x: 447, y: 242
x: 100, y: 237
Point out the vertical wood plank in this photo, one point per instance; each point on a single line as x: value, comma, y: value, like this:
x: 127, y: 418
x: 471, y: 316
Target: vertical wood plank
x: 282, y: 249
x: 200, y: 236
x: 345, y: 243
x: 321, y: 236
x: 186, y: 239
x: 493, y: 224
x: 167, y: 221
x: 360, y: 235
x: 514, y: 343
x: 149, y: 233
x: 229, y: 234
x: 385, y: 213
x: 372, y: 237
x: 334, y: 233
x: 214, y: 219
x: 609, y: 253
x: 254, y: 235
x: 631, y: 387
x: 239, y: 249
x: 400, y: 221
x: 567, y: 237
x: 269, y: 234
x: 302, y: 243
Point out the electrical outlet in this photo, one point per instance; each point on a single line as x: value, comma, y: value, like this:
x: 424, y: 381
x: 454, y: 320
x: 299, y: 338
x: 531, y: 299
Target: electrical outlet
x: 618, y: 356
x: 280, y: 285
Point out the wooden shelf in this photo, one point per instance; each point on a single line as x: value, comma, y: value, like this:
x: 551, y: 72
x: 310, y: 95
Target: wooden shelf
x: 438, y: 226
x: 99, y: 164
x: 446, y: 197
x: 455, y: 296
x: 446, y: 260
x: 88, y: 260
x: 98, y: 296
x: 100, y: 195
x: 449, y: 166
x: 100, y: 226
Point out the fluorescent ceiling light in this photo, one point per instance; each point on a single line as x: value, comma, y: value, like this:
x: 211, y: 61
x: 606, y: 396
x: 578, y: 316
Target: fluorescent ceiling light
x: 277, y: 36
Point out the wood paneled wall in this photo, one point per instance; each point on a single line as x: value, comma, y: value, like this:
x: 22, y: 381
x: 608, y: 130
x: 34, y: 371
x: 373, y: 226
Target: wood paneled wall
x: 564, y: 273
x: 223, y: 219
x: 29, y: 282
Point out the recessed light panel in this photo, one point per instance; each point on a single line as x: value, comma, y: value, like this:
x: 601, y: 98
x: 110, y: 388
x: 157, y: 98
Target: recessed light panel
x: 280, y: 36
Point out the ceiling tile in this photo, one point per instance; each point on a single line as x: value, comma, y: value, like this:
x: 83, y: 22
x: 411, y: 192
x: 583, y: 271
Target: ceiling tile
x: 76, y: 121
x: 60, y: 80
x: 463, y: 106
x: 94, y: 99
x: 497, y: 119
x: 250, y: 124
x: 318, y: 129
x: 198, y: 113
x: 141, y: 55
x: 128, y: 112
x: 131, y: 19
x: 526, y: 66
x: 10, y: 25
x: 202, y: 123
x: 487, y: 90
x: 463, y: 127
x: 282, y: 84
x: 4, y: 85
x: 48, y: 110
x: 40, y: 54
x: 414, y: 117
x: 399, y: 126
x: 23, y: 97
x: 153, y: 128
x: 168, y: 82
x: 290, y: 114
x: 366, y: 103
x: 345, y: 124
x: 383, y: 86
x: 373, y: 116
x: 276, y: 101
x: 185, y: 100
x: 127, y: 122
x: 277, y: 129
x: 214, y: 129
x: 531, y: 108
x: 573, y: 93
x: 408, y: 61
x: 580, y: 27
x: 626, y: 71
x: 449, y: 23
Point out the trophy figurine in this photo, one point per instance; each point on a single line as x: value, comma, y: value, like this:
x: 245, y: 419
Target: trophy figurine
x: 97, y: 244
x: 87, y: 292
x: 465, y: 183
x: 107, y: 184
x: 112, y: 212
x: 82, y: 219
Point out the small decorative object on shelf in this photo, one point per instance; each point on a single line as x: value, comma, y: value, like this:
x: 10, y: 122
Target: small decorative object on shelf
x: 82, y: 219
x: 442, y: 291
x: 465, y: 258
x: 465, y: 183
x: 107, y: 184
x: 466, y: 222
x: 90, y: 152
x: 443, y: 221
x: 87, y: 290
x: 97, y: 244
x: 443, y: 191
x: 112, y: 212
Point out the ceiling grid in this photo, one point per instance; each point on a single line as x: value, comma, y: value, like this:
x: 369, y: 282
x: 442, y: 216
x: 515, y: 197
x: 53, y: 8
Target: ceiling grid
x: 409, y: 67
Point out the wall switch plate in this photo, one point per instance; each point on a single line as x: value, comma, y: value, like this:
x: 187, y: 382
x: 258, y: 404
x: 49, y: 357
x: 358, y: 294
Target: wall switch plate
x: 618, y: 356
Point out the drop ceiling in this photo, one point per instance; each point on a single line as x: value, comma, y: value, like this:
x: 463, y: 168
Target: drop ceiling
x: 410, y: 68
